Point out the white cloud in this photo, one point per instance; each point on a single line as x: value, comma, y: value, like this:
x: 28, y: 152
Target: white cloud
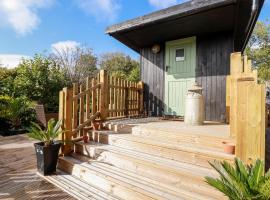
x: 100, y: 9
x: 64, y: 45
x: 21, y: 15
x: 11, y: 60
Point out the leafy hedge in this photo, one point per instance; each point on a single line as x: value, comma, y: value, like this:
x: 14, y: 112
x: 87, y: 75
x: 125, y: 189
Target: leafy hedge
x: 16, y: 113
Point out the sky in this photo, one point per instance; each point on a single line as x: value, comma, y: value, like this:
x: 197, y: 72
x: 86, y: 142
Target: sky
x: 28, y: 27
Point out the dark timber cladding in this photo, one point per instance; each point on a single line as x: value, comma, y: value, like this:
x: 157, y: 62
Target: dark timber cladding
x: 213, y: 65
x: 152, y: 74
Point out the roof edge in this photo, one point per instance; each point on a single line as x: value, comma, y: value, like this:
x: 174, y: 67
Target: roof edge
x: 252, y: 25
x: 180, y: 10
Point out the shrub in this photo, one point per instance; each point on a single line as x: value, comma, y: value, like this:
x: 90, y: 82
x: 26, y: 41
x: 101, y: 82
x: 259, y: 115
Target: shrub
x: 16, y: 112
x: 40, y: 79
x: 241, y: 182
x: 7, y: 77
x: 4, y: 121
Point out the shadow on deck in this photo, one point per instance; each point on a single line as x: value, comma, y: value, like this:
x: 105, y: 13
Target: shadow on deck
x: 18, y: 178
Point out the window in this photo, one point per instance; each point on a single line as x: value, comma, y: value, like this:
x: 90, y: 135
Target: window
x: 180, y: 55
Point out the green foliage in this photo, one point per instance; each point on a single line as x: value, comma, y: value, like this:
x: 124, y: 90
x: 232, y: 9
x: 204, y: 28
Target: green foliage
x: 40, y: 79
x: 47, y: 136
x: 18, y: 111
x: 134, y: 75
x: 4, y: 103
x: 258, y: 49
x: 120, y: 65
x: 264, y: 72
x: 241, y: 182
x: 7, y: 77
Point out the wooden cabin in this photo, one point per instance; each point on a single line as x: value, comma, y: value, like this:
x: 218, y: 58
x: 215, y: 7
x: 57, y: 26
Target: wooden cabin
x: 150, y: 158
x: 187, y: 43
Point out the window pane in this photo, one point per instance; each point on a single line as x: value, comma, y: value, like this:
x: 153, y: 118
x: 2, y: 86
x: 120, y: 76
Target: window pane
x: 179, y: 55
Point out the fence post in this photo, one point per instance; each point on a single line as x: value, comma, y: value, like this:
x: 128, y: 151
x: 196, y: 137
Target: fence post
x: 61, y: 113
x: 126, y: 98
x: 228, y: 98
x: 88, y: 95
x: 236, y: 64
x: 75, y: 106
x: 237, y: 69
x: 103, y: 95
x: 250, y: 140
x: 141, y: 109
x: 67, y: 122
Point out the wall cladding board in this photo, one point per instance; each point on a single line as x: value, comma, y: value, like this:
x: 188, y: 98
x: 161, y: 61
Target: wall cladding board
x: 213, y: 65
x: 152, y: 74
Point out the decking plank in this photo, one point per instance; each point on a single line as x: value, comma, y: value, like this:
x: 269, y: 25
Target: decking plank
x: 18, y: 178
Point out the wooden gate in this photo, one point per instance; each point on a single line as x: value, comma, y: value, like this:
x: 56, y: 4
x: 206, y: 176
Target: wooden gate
x: 104, y: 97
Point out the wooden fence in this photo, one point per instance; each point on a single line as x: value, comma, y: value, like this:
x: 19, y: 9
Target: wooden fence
x: 104, y: 97
x: 245, y: 102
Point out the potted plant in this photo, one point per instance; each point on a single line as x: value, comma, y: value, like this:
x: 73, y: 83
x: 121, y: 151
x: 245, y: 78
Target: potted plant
x: 241, y: 181
x: 229, y: 147
x: 47, y: 149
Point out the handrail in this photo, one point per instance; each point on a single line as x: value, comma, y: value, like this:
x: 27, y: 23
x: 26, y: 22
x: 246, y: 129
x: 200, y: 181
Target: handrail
x: 92, y: 118
x: 79, y: 95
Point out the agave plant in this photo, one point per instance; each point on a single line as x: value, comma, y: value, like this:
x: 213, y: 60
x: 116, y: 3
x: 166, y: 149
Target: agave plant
x: 241, y: 182
x: 48, y: 135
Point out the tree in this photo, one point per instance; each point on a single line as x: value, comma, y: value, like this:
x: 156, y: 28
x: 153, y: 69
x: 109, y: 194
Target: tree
x: 258, y: 50
x: 77, y: 62
x: 40, y: 79
x: 120, y: 65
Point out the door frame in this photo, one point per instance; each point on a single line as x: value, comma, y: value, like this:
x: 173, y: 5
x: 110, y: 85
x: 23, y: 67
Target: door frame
x: 166, y: 57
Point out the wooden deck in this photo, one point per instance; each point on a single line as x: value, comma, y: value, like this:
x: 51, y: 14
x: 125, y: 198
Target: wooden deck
x: 176, y: 128
x: 214, y: 129
x: 18, y: 178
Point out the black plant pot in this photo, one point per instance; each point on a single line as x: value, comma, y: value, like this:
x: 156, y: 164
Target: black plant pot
x: 47, y: 157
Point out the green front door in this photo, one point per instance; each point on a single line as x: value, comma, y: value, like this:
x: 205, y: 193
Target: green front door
x: 180, y: 65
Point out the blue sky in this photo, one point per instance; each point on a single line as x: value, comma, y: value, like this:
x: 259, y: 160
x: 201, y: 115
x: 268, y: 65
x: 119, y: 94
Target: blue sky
x: 34, y: 26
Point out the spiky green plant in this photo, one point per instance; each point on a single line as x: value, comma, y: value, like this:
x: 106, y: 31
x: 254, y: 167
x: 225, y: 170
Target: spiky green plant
x: 48, y: 135
x: 241, y: 182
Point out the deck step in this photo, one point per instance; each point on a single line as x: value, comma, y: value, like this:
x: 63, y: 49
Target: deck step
x: 77, y: 188
x: 174, y: 174
x: 185, y: 137
x: 103, y: 152
x: 148, y: 161
x: 124, y: 185
x: 189, y: 153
